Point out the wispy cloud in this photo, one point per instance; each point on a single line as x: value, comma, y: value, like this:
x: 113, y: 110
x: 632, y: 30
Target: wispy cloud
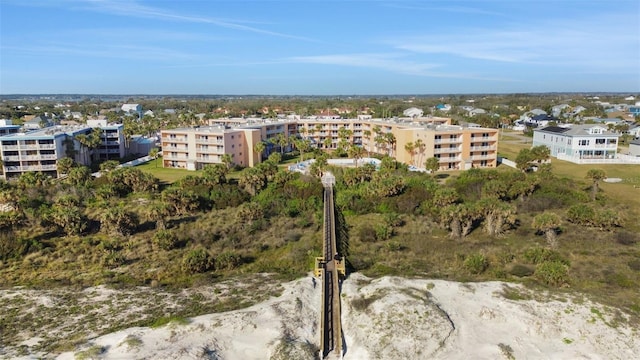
x: 447, y: 9
x: 610, y: 43
x: 131, y: 8
x: 127, y: 52
x: 393, y: 62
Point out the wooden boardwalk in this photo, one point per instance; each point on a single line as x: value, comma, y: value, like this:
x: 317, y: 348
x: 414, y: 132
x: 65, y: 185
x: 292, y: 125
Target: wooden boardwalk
x: 329, y: 268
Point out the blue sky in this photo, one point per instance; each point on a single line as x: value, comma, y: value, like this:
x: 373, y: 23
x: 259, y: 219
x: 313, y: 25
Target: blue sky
x: 309, y: 47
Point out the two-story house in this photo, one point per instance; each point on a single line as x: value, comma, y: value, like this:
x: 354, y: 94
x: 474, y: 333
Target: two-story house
x: 578, y: 141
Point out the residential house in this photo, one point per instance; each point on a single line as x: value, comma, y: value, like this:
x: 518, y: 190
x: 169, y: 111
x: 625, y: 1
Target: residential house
x: 556, y: 110
x: 38, y: 122
x: 413, y: 112
x: 634, y: 147
x: 578, y: 141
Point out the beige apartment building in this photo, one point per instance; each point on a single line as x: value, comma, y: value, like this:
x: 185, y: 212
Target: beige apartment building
x: 457, y: 147
x: 193, y: 148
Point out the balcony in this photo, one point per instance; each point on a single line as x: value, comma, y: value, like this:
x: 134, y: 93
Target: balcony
x: 32, y: 168
x: 483, y: 148
x: 211, y: 149
x: 174, y: 157
x: 174, y: 148
x: 11, y: 158
x: 446, y: 150
x: 449, y: 140
x: 483, y: 157
x: 175, y: 139
x: 446, y: 159
x: 209, y: 141
x: 483, y: 138
x: 10, y: 147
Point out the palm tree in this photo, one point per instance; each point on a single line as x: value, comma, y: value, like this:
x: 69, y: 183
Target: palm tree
x: 282, y: 141
x: 420, y: 147
x: 158, y: 212
x: 64, y: 165
x: 259, y: 147
x: 595, y: 175
x: 547, y: 223
x: 227, y: 160
x: 410, y: 147
x: 390, y: 140
x: 153, y: 153
x: 117, y: 220
x: 356, y: 152
x: 303, y: 145
x: 252, y: 180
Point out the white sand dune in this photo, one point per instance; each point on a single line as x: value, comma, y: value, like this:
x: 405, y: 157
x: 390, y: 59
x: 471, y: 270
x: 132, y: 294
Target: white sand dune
x: 390, y: 318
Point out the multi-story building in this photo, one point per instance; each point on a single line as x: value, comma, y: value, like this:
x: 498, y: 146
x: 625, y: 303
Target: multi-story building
x: 457, y: 147
x: 112, y: 137
x: 193, y: 148
x: 39, y: 150
x: 7, y: 127
x: 578, y: 141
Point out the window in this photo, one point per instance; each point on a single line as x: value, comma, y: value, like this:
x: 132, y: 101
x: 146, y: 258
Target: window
x: 600, y: 141
x: 568, y: 141
x: 583, y: 142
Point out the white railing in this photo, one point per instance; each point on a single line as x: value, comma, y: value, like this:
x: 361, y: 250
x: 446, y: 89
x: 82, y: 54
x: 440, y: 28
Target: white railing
x: 10, y: 147
x: 482, y: 157
x: 448, y: 141
x: 31, y: 168
x: 482, y: 148
x: 446, y: 150
x: 11, y: 158
x: 209, y: 141
x: 177, y: 157
x: 47, y: 146
x: 175, y: 139
x: 619, y: 159
x: 211, y: 149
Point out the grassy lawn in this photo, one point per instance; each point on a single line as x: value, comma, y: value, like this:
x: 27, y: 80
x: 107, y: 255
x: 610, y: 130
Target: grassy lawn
x: 626, y: 192
x: 167, y: 175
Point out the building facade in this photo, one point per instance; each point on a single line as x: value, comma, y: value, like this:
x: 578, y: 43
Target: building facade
x: 578, y: 141
x: 40, y: 150
x: 457, y: 147
x: 193, y: 148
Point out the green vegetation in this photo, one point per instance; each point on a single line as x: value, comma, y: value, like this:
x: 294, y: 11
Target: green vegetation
x: 130, y: 228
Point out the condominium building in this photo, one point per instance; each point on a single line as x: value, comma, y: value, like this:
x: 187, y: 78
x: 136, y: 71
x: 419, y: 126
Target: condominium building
x: 193, y: 148
x: 41, y: 149
x: 112, y: 137
x: 457, y: 147
x: 7, y: 127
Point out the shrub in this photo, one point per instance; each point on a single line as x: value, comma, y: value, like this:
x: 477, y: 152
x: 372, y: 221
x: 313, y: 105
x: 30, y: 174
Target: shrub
x: 626, y: 238
x: 113, y: 259
x: 520, y: 270
x: 476, y: 263
x: 634, y: 264
x: 367, y: 233
x: 165, y: 240
x: 383, y: 232
x: 197, y: 261
x: 228, y: 260
x: 553, y: 273
x: 539, y: 255
x: 581, y: 214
